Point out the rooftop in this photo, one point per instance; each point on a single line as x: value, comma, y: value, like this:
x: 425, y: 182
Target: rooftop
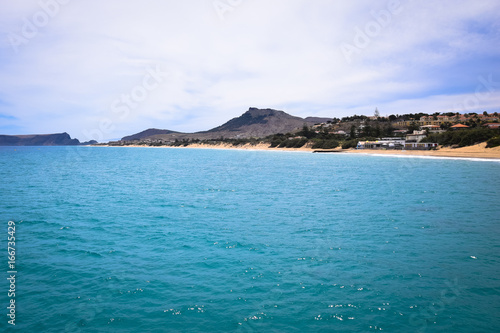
x: 459, y: 126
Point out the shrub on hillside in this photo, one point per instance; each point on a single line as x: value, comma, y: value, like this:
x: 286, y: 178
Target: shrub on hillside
x: 350, y: 144
x: 275, y: 143
x: 325, y: 144
x: 493, y: 142
x: 276, y: 140
x: 293, y: 143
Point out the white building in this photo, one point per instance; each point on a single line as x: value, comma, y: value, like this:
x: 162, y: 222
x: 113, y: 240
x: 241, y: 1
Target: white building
x: 384, y: 143
x: 416, y: 136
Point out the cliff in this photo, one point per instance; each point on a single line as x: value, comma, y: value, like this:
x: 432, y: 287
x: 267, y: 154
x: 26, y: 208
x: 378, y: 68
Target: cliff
x: 59, y: 139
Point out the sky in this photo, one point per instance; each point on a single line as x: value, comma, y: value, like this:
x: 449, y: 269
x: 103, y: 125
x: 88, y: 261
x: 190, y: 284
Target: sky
x: 106, y: 69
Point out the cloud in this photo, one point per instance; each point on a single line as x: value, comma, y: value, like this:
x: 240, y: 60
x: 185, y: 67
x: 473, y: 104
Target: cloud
x: 281, y: 54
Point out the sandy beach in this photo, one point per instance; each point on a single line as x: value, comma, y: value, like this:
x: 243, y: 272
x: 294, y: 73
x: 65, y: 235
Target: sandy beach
x: 260, y: 146
x: 476, y: 151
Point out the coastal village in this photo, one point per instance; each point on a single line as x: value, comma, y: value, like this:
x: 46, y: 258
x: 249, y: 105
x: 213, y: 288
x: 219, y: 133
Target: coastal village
x: 409, y: 131
x: 394, y: 132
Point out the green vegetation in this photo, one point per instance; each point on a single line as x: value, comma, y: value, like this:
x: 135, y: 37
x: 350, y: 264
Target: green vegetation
x: 276, y: 140
x: 325, y: 144
x: 353, y: 143
x: 320, y: 139
x: 183, y: 143
x: 462, y: 138
x: 493, y: 142
x: 293, y: 143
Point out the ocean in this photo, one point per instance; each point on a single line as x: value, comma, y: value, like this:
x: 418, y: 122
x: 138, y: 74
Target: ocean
x: 192, y: 240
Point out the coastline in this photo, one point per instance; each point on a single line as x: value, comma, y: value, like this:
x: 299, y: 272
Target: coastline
x: 478, y: 151
x: 260, y: 146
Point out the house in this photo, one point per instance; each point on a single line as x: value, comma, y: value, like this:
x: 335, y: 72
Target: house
x: 437, y: 120
x: 416, y: 136
x: 492, y: 125
x: 420, y: 145
x: 384, y: 143
x: 432, y: 128
x: 369, y: 145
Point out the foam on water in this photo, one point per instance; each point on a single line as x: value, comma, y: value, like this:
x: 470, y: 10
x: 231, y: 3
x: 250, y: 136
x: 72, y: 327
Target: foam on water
x: 476, y: 159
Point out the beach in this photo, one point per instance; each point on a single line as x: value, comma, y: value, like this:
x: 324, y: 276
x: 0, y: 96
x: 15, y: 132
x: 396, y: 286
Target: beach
x: 476, y: 151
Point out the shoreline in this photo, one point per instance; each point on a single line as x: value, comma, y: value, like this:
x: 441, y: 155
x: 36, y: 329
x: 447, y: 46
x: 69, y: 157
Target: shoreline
x: 478, y: 151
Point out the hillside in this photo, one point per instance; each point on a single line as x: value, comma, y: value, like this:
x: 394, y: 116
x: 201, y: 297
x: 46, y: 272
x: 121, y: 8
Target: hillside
x: 255, y: 122
x: 260, y: 123
x: 59, y: 139
x: 147, y: 133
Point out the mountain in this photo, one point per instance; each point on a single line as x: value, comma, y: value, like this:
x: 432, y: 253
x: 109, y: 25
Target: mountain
x: 59, y: 139
x: 147, y: 133
x: 317, y: 120
x: 89, y: 143
x: 253, y: 123
x: 260, y: 123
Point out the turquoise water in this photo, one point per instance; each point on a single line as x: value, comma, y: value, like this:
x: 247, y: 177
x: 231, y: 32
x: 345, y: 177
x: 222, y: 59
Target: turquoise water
x: 186, y: 240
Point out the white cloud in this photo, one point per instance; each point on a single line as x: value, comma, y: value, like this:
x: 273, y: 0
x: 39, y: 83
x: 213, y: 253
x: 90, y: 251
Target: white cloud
x: 281, y: 54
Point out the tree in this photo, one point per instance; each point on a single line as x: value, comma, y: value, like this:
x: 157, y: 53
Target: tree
x: 350, y: 144
x: 445, y: 126
x: 307, y: 132
x: 352, y: 134
x: 413, y: 127
x: 367, y: 131
x: 377, y: 114
x: 388, y: 130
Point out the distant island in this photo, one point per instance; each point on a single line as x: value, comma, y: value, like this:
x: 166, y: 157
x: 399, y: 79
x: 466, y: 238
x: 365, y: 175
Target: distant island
x: 276, y: 128
x: 58, y: 139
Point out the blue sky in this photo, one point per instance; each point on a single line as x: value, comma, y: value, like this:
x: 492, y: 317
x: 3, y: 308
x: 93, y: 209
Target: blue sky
x: 103, y: 70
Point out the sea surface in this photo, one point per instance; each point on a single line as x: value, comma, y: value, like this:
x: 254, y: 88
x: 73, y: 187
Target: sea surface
x: 191, y: 240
